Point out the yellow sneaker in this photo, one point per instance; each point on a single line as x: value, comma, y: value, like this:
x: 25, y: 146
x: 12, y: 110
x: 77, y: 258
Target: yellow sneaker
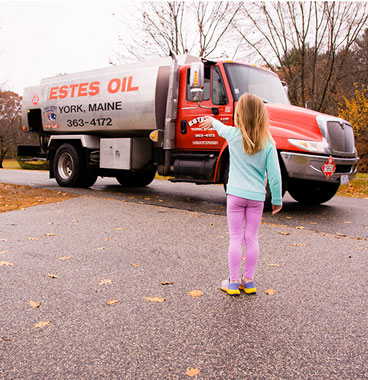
x: 231, y: 288
x: 248, y: 287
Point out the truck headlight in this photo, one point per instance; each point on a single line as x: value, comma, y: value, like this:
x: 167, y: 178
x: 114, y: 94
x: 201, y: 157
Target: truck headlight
x: 311, y: 146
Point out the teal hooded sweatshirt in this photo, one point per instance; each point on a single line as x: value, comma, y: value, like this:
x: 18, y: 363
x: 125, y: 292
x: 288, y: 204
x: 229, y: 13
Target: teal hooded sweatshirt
x: 247, y: 171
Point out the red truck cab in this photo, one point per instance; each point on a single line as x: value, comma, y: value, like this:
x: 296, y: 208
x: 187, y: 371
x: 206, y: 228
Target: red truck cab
x: 316, y: 151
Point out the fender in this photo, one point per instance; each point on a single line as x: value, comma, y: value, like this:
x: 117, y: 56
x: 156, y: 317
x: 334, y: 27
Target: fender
x: 87, y: 141
x: 222, y: 156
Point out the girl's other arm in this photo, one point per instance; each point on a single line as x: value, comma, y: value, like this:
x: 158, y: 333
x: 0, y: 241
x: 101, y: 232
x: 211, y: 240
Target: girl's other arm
x: 274, y: 179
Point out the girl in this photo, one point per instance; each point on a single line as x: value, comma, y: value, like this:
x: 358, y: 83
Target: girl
x: 252, y: 153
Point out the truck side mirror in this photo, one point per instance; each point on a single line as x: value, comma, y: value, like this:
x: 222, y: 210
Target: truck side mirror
x: 196, y: 81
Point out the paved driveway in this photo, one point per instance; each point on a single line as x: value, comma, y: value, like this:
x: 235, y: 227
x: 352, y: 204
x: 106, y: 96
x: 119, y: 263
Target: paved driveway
x: 75, y: 256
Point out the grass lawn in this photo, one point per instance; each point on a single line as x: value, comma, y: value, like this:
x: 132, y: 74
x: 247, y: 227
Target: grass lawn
x: 10, y: 164
x: 357, y: 188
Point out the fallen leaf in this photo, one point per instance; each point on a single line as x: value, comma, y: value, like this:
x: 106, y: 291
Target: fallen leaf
x: 273, y: 265
x: 348, y: 222
x: 147, y: 198
x: 34, y: 304
x: 192, y: 371
x: 52, y: 275
x: 363, y: 248
x: 299, y: 228
x: 135, y: 265
x: 112, y: 302
x: 50, y: 234
x: 5, y: 339
x: 3, y: 239
x: 220, y: 237
x: 284, y: 233
x: 300, y: 245
x: 118, y: 228
x: 32, y: 238
x: 195, y: 293
x: 101, y: 249
x: 212, y: 224
x: 2, y: 252
x: 108, y: 239
x: 105, y: 281
x: 66, y: 258
x: 166, y: 282
x: 41, y: 324
x: 6, y: 263
x: 154, y: 299
x: 141, y: 203
x: 270, y: 291
x: 313, y: 223
x: 288, y: 217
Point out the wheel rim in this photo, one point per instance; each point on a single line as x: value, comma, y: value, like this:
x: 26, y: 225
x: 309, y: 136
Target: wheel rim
x: 65, y: 165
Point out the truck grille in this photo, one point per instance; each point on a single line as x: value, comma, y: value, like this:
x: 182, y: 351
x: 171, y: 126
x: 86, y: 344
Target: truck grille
x: 341, y: 137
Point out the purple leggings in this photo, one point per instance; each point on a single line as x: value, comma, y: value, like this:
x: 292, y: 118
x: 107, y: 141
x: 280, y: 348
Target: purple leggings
x: 238, y: 211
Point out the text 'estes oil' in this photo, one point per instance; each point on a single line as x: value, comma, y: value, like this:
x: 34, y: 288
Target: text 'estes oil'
x: 74, y: 90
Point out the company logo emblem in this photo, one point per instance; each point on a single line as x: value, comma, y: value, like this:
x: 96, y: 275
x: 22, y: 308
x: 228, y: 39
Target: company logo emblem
x: 50, y: 116
x: 35, y: 100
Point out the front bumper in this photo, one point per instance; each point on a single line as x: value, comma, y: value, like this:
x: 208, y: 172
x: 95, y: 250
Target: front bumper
x: 307, y: 166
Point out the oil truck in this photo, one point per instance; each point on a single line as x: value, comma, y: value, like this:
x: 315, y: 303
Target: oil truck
x: 135, y: 120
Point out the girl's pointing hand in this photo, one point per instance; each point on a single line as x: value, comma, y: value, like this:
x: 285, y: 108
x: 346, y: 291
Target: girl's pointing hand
x: 207, y: 123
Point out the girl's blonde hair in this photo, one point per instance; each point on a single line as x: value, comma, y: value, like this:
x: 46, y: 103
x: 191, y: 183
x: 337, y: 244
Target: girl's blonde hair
x: 252, y: 120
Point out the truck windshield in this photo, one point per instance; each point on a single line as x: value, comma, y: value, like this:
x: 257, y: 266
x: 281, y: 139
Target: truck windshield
x: 255, y: 81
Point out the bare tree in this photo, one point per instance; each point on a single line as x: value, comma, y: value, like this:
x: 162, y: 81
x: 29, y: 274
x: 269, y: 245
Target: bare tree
x: 10, y: 122
x: 181, y: 27
x: 302, y: 41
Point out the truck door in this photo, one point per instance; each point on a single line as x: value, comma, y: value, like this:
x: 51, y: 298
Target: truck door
x: 215, y: 103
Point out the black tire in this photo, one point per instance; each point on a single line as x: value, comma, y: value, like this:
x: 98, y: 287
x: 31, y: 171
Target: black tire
x: 88, y: 180
x: 225, y: 177
x: 312, y: 192
x: 137, y: 179
x: 66, y: 166
x: 268, y: 203
x: 69, y: 169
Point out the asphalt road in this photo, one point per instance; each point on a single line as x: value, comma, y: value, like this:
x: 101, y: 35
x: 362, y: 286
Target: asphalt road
x: 119, y: 245
x: 341, y: 215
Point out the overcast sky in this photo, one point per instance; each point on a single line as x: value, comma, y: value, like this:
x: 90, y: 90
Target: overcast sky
x: 39, y: 39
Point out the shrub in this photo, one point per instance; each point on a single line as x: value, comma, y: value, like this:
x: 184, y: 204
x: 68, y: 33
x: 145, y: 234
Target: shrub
x: 355, y: 111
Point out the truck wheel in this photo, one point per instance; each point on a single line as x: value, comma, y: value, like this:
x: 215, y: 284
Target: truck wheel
x: 137, y: 179
x: 226, y: 174
x: 66, y: 166
x: 88, y: 180
x: 268, y: 203
x: 69, y: 169
x: 312, y: 192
